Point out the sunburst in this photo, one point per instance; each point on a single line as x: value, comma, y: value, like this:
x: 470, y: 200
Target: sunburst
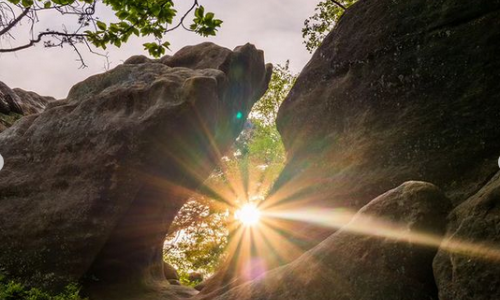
x: 248, y: 215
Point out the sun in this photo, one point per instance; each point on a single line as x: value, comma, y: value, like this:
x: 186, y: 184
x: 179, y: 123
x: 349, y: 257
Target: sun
x: 248, y: 215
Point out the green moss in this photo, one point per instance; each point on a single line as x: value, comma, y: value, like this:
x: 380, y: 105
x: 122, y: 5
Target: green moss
x: 10, y: 119
x: 184, y: 280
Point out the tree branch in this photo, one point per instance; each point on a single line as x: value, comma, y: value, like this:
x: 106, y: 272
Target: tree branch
x: 339, y: 4
x: 39, y: 38
x: 181, y: 22
x: 15, y: 21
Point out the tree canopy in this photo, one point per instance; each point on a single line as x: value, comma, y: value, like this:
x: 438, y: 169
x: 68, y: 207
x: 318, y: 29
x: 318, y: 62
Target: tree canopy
x: 151, y: 19
x: 326, y: 15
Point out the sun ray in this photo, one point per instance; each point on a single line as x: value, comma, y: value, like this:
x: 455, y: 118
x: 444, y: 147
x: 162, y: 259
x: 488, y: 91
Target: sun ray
x: 378, y: 227
x: 276, y: 248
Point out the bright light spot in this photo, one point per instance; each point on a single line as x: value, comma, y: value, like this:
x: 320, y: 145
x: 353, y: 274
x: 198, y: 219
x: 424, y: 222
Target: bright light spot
x: 248, y: 215
x: 262, y: 167
x: 239, y: 115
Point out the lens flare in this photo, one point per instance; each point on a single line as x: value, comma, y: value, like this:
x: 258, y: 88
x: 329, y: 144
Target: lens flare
x: 248, y: 215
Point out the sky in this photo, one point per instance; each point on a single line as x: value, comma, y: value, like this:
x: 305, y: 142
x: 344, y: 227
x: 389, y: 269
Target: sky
x: 272, y: 25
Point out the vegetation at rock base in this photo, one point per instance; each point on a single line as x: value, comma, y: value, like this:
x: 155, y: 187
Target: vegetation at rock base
x: 326, y: 15
x: 152, y: 19
x: 12, y: 290
x: 201, y: 231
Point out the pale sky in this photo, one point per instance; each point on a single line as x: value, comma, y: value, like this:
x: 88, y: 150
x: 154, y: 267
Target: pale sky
x: 272, y: 25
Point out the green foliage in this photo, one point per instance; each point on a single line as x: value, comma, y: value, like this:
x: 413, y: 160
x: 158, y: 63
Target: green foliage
x: 184, y: 280
x: 197, y: 239
x: 10, y: 119
x: 147, y: 18
x: 326, y: 15
x: 266, y: 109
x: 205, y: 24
x: 265, y: 146
x: 11, y: 290
x: 152, y: 18
x: 200, y: 233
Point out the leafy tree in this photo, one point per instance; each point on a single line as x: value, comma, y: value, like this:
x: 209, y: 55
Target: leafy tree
x: 197, y: 238
x: 201, y: 231
x: 326, y: 14
x: 152, y: 18
x: 266, y: 109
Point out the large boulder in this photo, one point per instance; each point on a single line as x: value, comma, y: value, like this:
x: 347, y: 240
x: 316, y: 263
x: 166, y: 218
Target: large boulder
x: 15, y: 103
x: 384, y: 253
x: 92, y: 184
x: 467, y: 266
x: 399, y: 90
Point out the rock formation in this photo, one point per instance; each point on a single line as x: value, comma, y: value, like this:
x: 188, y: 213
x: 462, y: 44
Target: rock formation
x: 468, y: 264
x: 399, y: 90
x: 379, y: 255
x: 17, y: 103
x: 91, y: 185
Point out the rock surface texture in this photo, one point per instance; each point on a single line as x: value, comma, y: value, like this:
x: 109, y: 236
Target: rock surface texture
x: 399, y: 90
x: 91, y: 185
x: 375, y: 257
x: 467, y: 267
x: 15, y: 103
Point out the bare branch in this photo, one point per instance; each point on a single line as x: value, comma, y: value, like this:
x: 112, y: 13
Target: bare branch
x: 3, y: 13
x: 14, y: 22
x: 339, y: 4
x: 80, y: 57
x: 181, y: 22
x: 39, y: 38
x: 107, y: 64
